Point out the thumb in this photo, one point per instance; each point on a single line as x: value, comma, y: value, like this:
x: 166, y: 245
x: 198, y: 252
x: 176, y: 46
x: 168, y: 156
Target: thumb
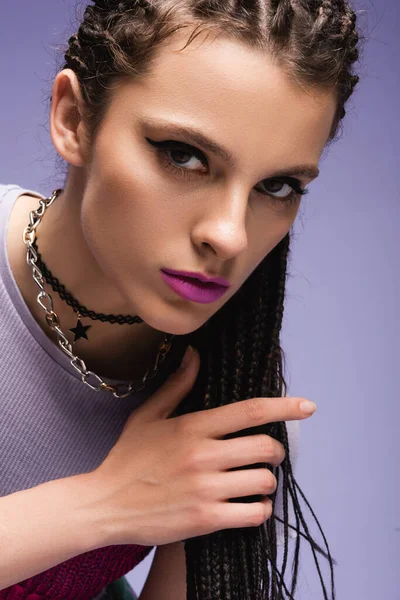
x: 164, y: 401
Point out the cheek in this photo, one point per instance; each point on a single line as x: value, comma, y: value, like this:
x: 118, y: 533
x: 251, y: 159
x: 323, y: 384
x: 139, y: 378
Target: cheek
x: 129, y: 223
x: 266, y: 231
x: 264, y: 235
x: 138, y: 192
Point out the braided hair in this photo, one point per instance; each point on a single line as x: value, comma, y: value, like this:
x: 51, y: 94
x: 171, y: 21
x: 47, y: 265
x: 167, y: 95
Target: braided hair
x: 316, y: 43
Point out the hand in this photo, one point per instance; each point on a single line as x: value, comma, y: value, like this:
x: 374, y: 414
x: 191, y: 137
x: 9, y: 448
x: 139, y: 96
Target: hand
x: 167, y: 479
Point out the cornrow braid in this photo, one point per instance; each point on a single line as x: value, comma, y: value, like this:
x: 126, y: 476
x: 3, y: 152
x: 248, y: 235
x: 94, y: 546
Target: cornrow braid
x: 340, y: 20
x: 317, y: 43
x: 281, y: 19
x: 123, y: 5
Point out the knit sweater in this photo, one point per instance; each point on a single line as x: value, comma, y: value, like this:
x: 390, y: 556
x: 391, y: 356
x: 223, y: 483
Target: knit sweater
x: 53, y: 426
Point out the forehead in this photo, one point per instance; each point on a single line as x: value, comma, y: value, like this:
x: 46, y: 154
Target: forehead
x: 237, y: 95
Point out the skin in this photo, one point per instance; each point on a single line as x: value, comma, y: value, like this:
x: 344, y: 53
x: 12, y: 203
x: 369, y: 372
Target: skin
x: 123, y: 215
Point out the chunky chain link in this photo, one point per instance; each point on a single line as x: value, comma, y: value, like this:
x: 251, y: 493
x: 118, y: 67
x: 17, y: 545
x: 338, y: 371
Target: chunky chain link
x: 122, y: 390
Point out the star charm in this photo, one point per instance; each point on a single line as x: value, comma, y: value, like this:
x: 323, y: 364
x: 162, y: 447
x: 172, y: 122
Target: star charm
x: 80, y: 331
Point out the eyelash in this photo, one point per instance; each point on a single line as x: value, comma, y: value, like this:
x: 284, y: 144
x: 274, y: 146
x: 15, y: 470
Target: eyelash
x: 162, y: 148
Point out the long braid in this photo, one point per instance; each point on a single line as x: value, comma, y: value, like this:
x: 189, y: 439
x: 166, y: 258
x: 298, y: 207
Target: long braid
x: 241, y: 356
x: 248, y: 545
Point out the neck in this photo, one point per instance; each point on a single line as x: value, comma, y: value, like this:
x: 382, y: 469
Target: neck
x: 112, y: 350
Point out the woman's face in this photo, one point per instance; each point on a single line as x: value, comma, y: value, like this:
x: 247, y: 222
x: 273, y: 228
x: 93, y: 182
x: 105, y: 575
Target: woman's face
x: 187, y: 208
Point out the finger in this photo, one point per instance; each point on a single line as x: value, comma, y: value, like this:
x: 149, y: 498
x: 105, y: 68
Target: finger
x: 247, y: 450
x: 217, y: 422
x: 236, y: 484
x: 230, y: 515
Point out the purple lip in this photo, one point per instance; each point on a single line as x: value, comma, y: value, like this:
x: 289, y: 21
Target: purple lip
x: 200, y: 276
x: 193, y: 289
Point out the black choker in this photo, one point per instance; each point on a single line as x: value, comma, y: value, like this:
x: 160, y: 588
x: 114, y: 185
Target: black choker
x: 80, y: 330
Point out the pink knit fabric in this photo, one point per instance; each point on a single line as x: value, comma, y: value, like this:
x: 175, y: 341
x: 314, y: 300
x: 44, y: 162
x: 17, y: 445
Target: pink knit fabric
x: 81, y: 577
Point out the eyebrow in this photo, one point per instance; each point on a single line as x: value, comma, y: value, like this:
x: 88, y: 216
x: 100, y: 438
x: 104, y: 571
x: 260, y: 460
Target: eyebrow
x: 196, y: 136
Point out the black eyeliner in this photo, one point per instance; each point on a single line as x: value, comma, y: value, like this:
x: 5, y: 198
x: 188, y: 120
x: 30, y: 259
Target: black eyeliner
x: 294, y: 183
x: 171, y: 144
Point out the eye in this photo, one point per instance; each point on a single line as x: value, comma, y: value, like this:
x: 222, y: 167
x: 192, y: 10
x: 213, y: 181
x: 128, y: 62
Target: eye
x: 289, y: 188
x: 178, y: 149
x: 167, y: 148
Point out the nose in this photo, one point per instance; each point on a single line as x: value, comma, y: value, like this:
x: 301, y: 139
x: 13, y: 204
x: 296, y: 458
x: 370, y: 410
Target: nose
x: 223, y: 225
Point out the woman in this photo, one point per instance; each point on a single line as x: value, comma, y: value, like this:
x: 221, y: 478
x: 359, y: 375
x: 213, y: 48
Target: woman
x: 187, y: 155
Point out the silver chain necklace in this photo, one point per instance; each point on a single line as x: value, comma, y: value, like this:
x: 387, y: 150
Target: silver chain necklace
x: 122, y: 390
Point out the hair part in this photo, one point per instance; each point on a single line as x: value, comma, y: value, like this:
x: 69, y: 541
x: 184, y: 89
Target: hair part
x: 317, y: 43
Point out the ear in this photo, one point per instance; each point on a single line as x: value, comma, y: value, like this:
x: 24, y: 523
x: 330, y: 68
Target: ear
x: 67, y: 129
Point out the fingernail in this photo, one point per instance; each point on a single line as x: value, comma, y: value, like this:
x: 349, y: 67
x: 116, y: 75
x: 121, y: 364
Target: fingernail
x: 187, y: 357
x: 307, y: 407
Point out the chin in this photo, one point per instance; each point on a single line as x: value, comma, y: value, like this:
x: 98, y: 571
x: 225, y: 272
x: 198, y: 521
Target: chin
x: 175, y: 321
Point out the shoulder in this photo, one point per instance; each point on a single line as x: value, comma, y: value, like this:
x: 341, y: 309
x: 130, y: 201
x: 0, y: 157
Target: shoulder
x: 5, y: 188
x: 17, y: 190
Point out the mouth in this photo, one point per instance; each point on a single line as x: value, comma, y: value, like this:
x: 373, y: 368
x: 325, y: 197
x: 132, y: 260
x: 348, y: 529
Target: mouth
x: 191, y: 288
x: 199, y: 276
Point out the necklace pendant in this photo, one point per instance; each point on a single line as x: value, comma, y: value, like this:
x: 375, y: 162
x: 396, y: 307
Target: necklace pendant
x: 80, y: 330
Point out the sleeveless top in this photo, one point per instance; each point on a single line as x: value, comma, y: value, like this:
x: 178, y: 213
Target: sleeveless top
x: 53, y: 426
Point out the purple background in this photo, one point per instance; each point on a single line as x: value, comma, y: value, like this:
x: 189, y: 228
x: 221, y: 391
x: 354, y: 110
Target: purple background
x: 341, y: 325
